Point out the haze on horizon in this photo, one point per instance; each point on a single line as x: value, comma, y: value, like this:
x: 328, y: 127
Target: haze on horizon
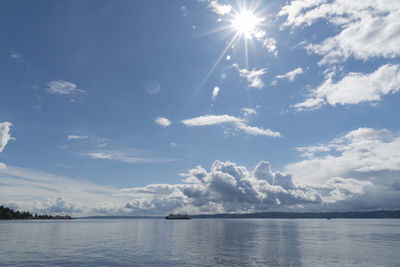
x: 148, y: 107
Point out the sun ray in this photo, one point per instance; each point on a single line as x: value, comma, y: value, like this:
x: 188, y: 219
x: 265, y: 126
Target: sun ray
x: 210, y: 71
x: 246, y: 53
x: 244, y: 23
x: 224, y: 28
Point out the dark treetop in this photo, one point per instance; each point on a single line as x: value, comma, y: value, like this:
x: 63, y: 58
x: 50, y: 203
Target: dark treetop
x: 10, y: 214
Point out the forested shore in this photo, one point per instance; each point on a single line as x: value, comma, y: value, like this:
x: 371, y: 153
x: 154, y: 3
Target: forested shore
x: 10, y: 214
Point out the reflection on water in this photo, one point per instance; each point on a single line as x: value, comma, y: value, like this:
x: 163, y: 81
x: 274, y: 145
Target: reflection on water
x: 201, y: 242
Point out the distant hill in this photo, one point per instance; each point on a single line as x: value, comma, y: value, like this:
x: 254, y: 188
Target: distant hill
x: 122, y: 217
x: 10, y: 214
x: 378, y: 214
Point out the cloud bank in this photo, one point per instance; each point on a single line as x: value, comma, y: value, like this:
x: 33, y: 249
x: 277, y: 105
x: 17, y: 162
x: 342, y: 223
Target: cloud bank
x: 226, y: 187
x: 361, y: 153
x: 359, y: 170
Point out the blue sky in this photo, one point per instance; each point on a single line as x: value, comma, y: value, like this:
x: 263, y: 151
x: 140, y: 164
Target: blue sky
x: 147, y: 107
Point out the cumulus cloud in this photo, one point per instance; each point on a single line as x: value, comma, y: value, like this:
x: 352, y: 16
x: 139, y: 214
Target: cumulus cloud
x: 59, y: 205
x: 220, y: 9
x: 229, y: 187
x: 239, y: 124
x: 4, y: 134
x: 291, y: 75
x: 65, y: 88
x: 364, y: 152
x: 226, y: 187
x: 253, y: 76
x: 164, y: 122
x: 77, y: 137
x: 355, y: 88
x: 366, y: 28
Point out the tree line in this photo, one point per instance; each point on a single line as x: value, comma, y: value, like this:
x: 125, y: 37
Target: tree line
x: 9, y: 214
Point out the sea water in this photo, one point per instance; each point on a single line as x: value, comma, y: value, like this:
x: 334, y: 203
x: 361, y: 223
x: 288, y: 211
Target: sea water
x: 201, y: 242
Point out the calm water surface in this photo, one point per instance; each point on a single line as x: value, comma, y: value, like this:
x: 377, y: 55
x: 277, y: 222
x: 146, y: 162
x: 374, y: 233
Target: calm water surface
x: 201, y: 242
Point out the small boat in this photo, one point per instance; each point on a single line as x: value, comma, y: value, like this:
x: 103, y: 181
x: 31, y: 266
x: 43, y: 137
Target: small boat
x: 178, y: 216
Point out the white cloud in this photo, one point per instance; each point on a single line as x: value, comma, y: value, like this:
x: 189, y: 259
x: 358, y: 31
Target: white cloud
x: 228, y: 187
x: 207, y: 120
x: 77, y: 137
x: 239, y: 124
x: 252, y: 130
x: 359, y: 153
x: 253, y: 77
x: 100, y: 155
x: 249, y: 111
x: 259, y: 34
x: 3, y: 166
x: 291, y: 75
x: 164, y: 122
x: 270, y: 44
x: 344, y: 188
x: 215, y: 93
x: 118, y: 156
x: 355, y: 88
x: 220, y: 9
x: 133, y: 157
x: 4, y: 134
x: 366, y: 28
x: 65, y: 88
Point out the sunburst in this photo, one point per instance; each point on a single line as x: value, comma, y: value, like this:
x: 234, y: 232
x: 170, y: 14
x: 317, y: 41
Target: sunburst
x: 243, y: 22
x: 246, y: 22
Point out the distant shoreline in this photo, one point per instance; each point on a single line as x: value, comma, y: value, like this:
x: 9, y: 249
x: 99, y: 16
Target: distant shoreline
x: 10, y: 214
x: 377, y: 214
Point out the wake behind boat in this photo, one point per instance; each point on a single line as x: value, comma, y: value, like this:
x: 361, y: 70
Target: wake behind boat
x: 178, y: 216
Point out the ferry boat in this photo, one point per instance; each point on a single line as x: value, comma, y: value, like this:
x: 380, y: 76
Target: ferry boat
x: 178, y: 216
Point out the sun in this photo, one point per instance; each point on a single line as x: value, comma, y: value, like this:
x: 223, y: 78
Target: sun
x: 246, y: 22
